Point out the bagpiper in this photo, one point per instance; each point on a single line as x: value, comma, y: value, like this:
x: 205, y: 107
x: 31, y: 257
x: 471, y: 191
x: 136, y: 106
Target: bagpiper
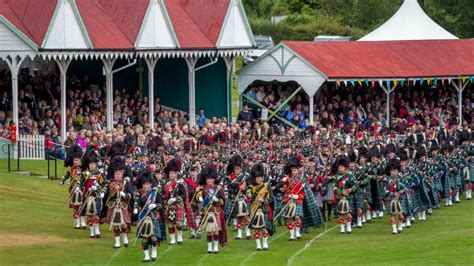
x: 238, y: 199
x: 213, y: 220
x: 149, y: 224
x: 394, y: 190
x: 260, y: 210
x: 73, y: 161
x: 93, y: 184
x: 117, y: 202
x: 344, y: 188
x: 175, y: 197
x: 293, y: 198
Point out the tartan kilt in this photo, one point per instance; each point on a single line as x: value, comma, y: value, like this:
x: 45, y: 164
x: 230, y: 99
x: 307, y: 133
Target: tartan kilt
x: 439, y: 182
x: 405, y: 203
x: 359, y: 200
x: 427, y: 197
x: 352, y: 204
x: 388, y: 207
x: 190, y: 218
x: 179, y: 215
x: 421, y: 198
x: 471, y: 173
x: 299, y: 211
x: 228, y: 208
x: 381, y: 190
x: 368, y: 194
x: 448, y: 183
x: 278, y: 204
x: 458, y: 180
x: 312, y: 216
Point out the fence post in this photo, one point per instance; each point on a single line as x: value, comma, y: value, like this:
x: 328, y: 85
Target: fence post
x: 55, y: 167
x: 49, y: 172
x: 9, y: 167
x: 18, y: 158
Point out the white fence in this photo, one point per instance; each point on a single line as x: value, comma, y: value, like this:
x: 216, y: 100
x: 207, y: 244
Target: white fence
x: 30, y: 147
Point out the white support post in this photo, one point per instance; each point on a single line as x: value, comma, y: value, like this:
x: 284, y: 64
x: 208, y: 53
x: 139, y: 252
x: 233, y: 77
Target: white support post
x: 311, y: 110
x: 109, y: 80
x: 191, y: 62
x: 151, y: 63
x: 63, y: 65
x: 388, y: 91
x: 14, y: 63
x: 229, y: 62
x: 460, y: 88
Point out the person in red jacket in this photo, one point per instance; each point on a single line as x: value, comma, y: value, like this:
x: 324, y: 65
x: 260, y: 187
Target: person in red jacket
x: 293, y: 198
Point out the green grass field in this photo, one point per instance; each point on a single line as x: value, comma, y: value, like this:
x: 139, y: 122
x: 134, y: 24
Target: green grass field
x: 36, y: 228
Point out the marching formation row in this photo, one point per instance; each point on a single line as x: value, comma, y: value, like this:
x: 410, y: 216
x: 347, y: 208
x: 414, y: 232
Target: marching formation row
x: 301, y: 181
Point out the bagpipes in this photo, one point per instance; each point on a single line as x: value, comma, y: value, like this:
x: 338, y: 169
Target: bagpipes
x: 207, y: 205
x: 256, y: 203
x: 117, y: 204
x: 283, y: 210
x: 145, y: 212
x: 246, y: 175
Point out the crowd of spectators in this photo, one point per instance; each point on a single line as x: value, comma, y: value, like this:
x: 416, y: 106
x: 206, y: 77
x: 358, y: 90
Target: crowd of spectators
x: 361, y: 108
x: 347, y: 108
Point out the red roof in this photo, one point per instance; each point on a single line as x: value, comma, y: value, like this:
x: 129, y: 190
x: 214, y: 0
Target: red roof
x: 390, y: 59
x: 188, y: 33
x: 104, y: 33
x: 209, y: 19
x: 32, y: 17
x: 115, y: 24
x: 128, y: 15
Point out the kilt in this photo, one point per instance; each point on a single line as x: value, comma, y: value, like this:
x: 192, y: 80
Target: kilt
x: 420, y: 199
x: 228, y: 207
x: 157, y: 227
x: 190, y: 218
x: 368, y: 194
x: 299, y: 210
x: 448, y: 183
x: 439, y: 182
x: 178, y: 215
x: 471, y: 173
x: 312, y: 216
x: 267, y: 218
x: 352, y: 204
x: 381, y: 190
x: 388, y: 207
x: 405, y: 203
x: 458, y: 180
x: 359, y: 200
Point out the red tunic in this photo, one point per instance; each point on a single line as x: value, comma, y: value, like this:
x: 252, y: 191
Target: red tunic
x: 293, y: 187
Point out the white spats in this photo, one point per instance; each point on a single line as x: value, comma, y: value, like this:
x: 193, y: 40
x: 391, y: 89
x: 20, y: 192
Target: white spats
x: 180, y: 237
x: 117, y: 242
x: 172, y: 239
x: 292, y: 234
x: 259, y: 245
x: 154, y: 253
x: 343, y: 229
x: 394, y: 229
x: 265, y: 243
x: 125, y: 239
x: 209, y: 247
x: 147, y: 256
x: 216, y: 246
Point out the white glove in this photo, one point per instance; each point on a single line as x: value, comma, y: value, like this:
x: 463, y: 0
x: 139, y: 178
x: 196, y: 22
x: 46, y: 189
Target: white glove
x: 171, y: 201
x: 78, y: 189
x: 200, y: 199
x: 215, y: 199
x: 94, y: 188
x: 127, y: 179
x: 102, y: 194
x: 135, y: 211
x: 151, y: 206
x: 122, y: 194
x: 294, y: 196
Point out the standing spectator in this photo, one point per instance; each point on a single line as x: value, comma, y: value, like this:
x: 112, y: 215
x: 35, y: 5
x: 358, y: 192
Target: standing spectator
x: 245, y: 115
x: 201, y: 118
